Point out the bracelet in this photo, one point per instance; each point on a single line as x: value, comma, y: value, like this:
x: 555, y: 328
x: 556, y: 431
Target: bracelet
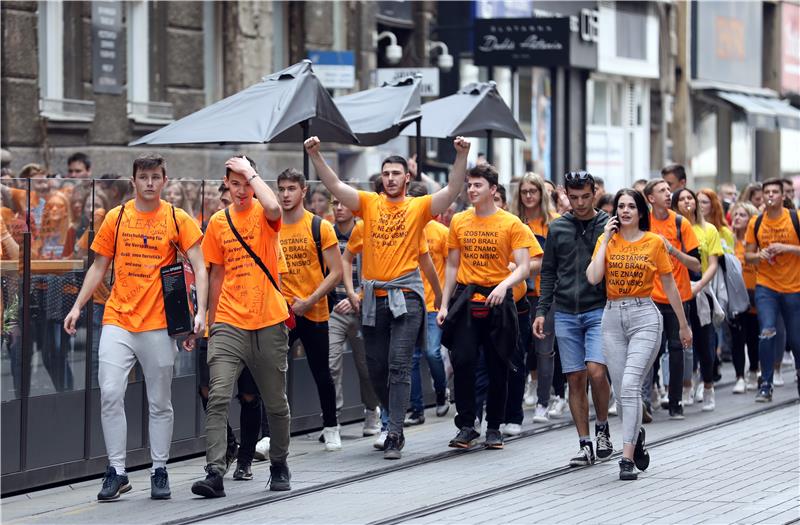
x: 252, y: 177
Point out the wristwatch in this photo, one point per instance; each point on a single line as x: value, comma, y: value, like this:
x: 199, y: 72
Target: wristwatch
x: 250, y: 179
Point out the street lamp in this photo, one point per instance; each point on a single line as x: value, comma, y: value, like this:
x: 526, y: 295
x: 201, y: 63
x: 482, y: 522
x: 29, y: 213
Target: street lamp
x: 445, y: 59
x: 393, y: 52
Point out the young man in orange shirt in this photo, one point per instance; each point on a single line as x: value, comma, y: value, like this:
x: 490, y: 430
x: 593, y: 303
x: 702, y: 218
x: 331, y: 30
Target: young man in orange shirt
x: 247, y: 315
x: 774, y: 245
x: 394, y: 300
x: 682, y: 246
x: 139, y: 238
x: 312, y: 271
x: 478, y: 308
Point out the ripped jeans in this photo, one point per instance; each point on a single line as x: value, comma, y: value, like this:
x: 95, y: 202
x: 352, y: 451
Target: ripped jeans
x: 769, y: 304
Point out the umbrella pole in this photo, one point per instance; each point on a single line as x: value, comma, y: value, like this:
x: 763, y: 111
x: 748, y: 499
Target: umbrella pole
x: 420, y: 152
x: 304, y: 125
x: 489, y: 147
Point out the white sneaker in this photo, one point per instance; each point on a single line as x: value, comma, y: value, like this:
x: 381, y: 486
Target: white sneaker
x: 708, y: 399
x: 612, y: 410
x: 262, y: 449
x: 698, y: 392
x: 787, y: 359
x: 333, y: 441
x: 381, y: 439
x: 372, y: 422
x: 557, y: 406
x: 529, y: 399
x: 540, y: 415
x: 739, y: 387
x: 512, y: 429
x: 752, y: 381
x: 687, y: 398
x: 777, y: 379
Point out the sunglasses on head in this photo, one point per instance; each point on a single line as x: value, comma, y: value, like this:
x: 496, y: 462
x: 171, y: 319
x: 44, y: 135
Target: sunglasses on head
x: 578, y: 176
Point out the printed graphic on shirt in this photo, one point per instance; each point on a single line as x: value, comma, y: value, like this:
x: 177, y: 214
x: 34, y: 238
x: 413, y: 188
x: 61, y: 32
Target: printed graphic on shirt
x: 248, y: 300
x: 487, y: 245
x: 143, y: 246
x: 782, y: 272
x: 304, y: 273
x: 632, y: 267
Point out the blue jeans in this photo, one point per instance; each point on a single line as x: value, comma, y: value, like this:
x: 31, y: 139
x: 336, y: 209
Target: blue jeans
x: 579, y: 339
x: 433, y: 355
x: 769, y: 304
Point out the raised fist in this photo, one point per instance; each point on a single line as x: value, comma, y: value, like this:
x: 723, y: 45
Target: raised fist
x: 312, y: 145
x: 461, y: 144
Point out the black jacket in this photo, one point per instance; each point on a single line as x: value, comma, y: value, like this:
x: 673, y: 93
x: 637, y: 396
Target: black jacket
x: 567, y: 254
x: 503, y: 320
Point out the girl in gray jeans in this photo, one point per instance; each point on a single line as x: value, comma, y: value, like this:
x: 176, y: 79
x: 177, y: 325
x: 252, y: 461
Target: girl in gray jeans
x: 630, y: 257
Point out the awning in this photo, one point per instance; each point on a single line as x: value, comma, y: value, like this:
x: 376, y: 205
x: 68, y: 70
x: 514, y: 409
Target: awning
x: 763, y: 112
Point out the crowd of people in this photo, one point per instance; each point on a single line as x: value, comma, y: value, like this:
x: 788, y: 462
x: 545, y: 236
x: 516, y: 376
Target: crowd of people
x: 540, y: 300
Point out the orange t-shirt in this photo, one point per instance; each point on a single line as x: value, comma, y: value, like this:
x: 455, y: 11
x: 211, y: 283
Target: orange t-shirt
x: 487, y: 245
x: 356, y: 241
x: 521, y: 288
x: 248, y: 300
x: 436, y: 236
x: 304, y: 273
x: 393, y: 232
x: 540, y: 230
x: 632, y: 268
x: 144, y: 245
x: 679, y: 271
x: 749, y: 271
x: 782, y: 275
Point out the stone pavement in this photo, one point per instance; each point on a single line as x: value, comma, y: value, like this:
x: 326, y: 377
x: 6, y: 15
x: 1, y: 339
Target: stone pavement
x: 744, y: 472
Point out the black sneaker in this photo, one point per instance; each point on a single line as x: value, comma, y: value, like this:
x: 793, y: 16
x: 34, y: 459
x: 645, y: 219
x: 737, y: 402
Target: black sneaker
x: 414, y: 418
x: 465, y: 438
x: 393, y: 445
x: 230, y: 456
x: 113, y: 485
x: 494, y: 439
x: 159, y: 484
x: 242, y: 472
x: 211, y: 487
x: 641, y: 457
x: 584, y: 457
x: 603, y: 438
x: 627, y: 472
x: 676, y: 414
x: 279, y: 476
x: 764, y: 394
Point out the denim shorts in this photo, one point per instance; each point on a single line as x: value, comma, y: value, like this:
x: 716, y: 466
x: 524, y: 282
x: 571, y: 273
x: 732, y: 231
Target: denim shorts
x: 579, y: 339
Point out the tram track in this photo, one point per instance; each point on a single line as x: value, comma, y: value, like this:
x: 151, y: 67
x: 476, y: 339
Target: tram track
x: 518, y: 484
x: 271, y: 499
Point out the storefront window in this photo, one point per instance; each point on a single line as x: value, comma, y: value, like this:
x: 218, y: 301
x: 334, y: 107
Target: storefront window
x: 597, y: 102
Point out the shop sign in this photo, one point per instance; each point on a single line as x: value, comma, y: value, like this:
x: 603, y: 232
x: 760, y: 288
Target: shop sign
x: 107, y: 47
x: 522, y: 42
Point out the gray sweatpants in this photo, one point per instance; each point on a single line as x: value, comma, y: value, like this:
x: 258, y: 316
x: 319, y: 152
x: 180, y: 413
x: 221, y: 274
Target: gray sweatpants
x: 118, y: 352
x: 631, y: 338
x: 346, y: 328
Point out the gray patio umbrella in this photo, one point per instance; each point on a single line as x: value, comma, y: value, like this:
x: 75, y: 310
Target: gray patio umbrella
x: 287, y: 106
x: 380, y: 114
x: 476, y: 110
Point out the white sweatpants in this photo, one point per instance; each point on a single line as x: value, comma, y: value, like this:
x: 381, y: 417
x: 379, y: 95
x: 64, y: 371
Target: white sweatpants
x: 119, y: 350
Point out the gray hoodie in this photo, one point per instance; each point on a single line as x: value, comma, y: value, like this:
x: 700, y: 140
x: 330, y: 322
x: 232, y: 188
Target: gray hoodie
x: 567, y: 254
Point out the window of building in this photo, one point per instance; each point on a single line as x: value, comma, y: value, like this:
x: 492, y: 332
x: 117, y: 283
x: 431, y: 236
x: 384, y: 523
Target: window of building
x: 60, y: 76
x: 212, y: 51
x: 631, y: 21
x: 147, y: 62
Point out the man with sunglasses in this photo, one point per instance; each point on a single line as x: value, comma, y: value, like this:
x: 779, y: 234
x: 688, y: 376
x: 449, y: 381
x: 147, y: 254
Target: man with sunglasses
x: 578, y: 312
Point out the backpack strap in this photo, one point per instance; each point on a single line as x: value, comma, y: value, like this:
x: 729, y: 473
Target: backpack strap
x: 316, y: 226
x: 795, y: 222
x: 116, y: 235
x: 757, y: 226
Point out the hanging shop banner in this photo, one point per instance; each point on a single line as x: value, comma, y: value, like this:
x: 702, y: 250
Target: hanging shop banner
x: 107, y: 47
